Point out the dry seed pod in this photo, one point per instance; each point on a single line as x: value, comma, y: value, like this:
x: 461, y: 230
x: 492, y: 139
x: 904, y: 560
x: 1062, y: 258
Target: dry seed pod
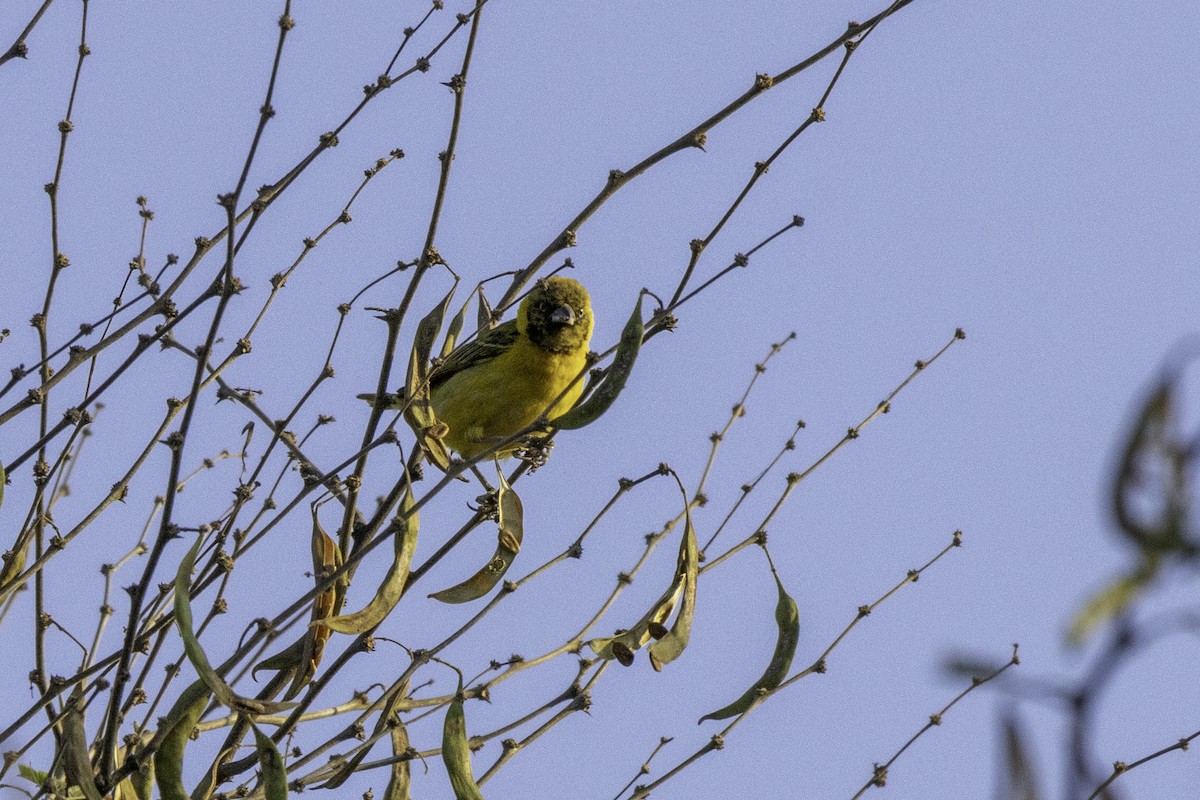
x: 787, y: 620
x: 326, y: 557
x: 456, y: 753
x: 401, y: 778
x: 418, y: 412
x: 512, y: 532
x: 669, y: 647
x: 606, y: 393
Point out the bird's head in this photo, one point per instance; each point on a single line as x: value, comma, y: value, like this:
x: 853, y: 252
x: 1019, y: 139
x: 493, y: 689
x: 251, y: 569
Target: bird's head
x: 557, y: 315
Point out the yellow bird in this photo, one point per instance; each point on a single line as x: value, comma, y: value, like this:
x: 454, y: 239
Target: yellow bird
x: 501, y: 382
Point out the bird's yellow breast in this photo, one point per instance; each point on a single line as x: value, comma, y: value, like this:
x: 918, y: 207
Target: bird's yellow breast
x: 496, y: 399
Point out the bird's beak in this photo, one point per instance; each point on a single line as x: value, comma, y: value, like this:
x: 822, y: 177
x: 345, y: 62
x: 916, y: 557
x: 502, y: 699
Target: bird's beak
x: 563, y: 315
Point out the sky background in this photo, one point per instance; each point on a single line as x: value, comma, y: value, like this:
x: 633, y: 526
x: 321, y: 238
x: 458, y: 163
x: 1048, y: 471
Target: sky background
x: 1025, y: 171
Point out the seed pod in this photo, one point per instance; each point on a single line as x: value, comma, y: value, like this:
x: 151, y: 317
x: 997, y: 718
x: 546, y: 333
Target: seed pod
x: 401, y: 779
x: 274, y: 774
x: 456, y: 753
x: 602, y: 398
x: 1146, y: 493
x: 418, y: 412
x: 511, y: 533
x: 669, y: 647
x: 195, y: 653
x: 652, y: 624
x: 388, y: 594
x: 174, y: 734
x: 326, y: 557
x: 787, y: 620
x: 75, y: 759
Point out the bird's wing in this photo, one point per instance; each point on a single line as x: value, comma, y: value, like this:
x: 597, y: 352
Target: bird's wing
x: 480, y: 351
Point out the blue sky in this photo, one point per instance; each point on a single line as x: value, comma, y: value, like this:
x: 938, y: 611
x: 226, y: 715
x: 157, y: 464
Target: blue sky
x: 1025, y: 171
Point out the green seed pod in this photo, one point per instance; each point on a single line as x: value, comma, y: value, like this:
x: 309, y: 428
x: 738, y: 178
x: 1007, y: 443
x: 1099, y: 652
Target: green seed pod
x: 174, y: 735
x: 456, y: 753
x: 512, y: 532
x: 606, y: 393
x: 274, y: 774
x: 787, y: 620
x: 195, y: 653
x: 75, y: 759
x: 388, y: 594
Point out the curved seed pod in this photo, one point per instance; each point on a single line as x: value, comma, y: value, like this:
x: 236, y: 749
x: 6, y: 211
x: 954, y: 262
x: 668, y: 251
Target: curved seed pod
x: 401, y: 779
x: 624, y: 645
x: 274, y: 774
x: 174, y: 734
x: 326, y: 557
x: 1146, y: 492
x: 419, y: 412
x: 195, y: 653
x: 456, y: 753
x: 3, y: 480
x: 287, y: 658
x: 456, y: 324
x: 669, y: 647
x: 787, y: 620
x: 512, y: 532
x: 606, y: 393
x: 1113, y: 599
x: 140, y: 783
x: 75, y: 759
x: 388, y: 595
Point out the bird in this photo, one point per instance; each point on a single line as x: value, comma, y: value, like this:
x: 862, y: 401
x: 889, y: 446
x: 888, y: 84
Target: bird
x: 503, y: 381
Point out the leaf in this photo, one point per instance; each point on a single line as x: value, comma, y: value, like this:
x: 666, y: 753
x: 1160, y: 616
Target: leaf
x: 456, y: 753
x: 787, y: 621
x: 274, y: 774
x: 388, y: 594
x: 32, y: 775
x: 511, y: 533
x: 602, y: 398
